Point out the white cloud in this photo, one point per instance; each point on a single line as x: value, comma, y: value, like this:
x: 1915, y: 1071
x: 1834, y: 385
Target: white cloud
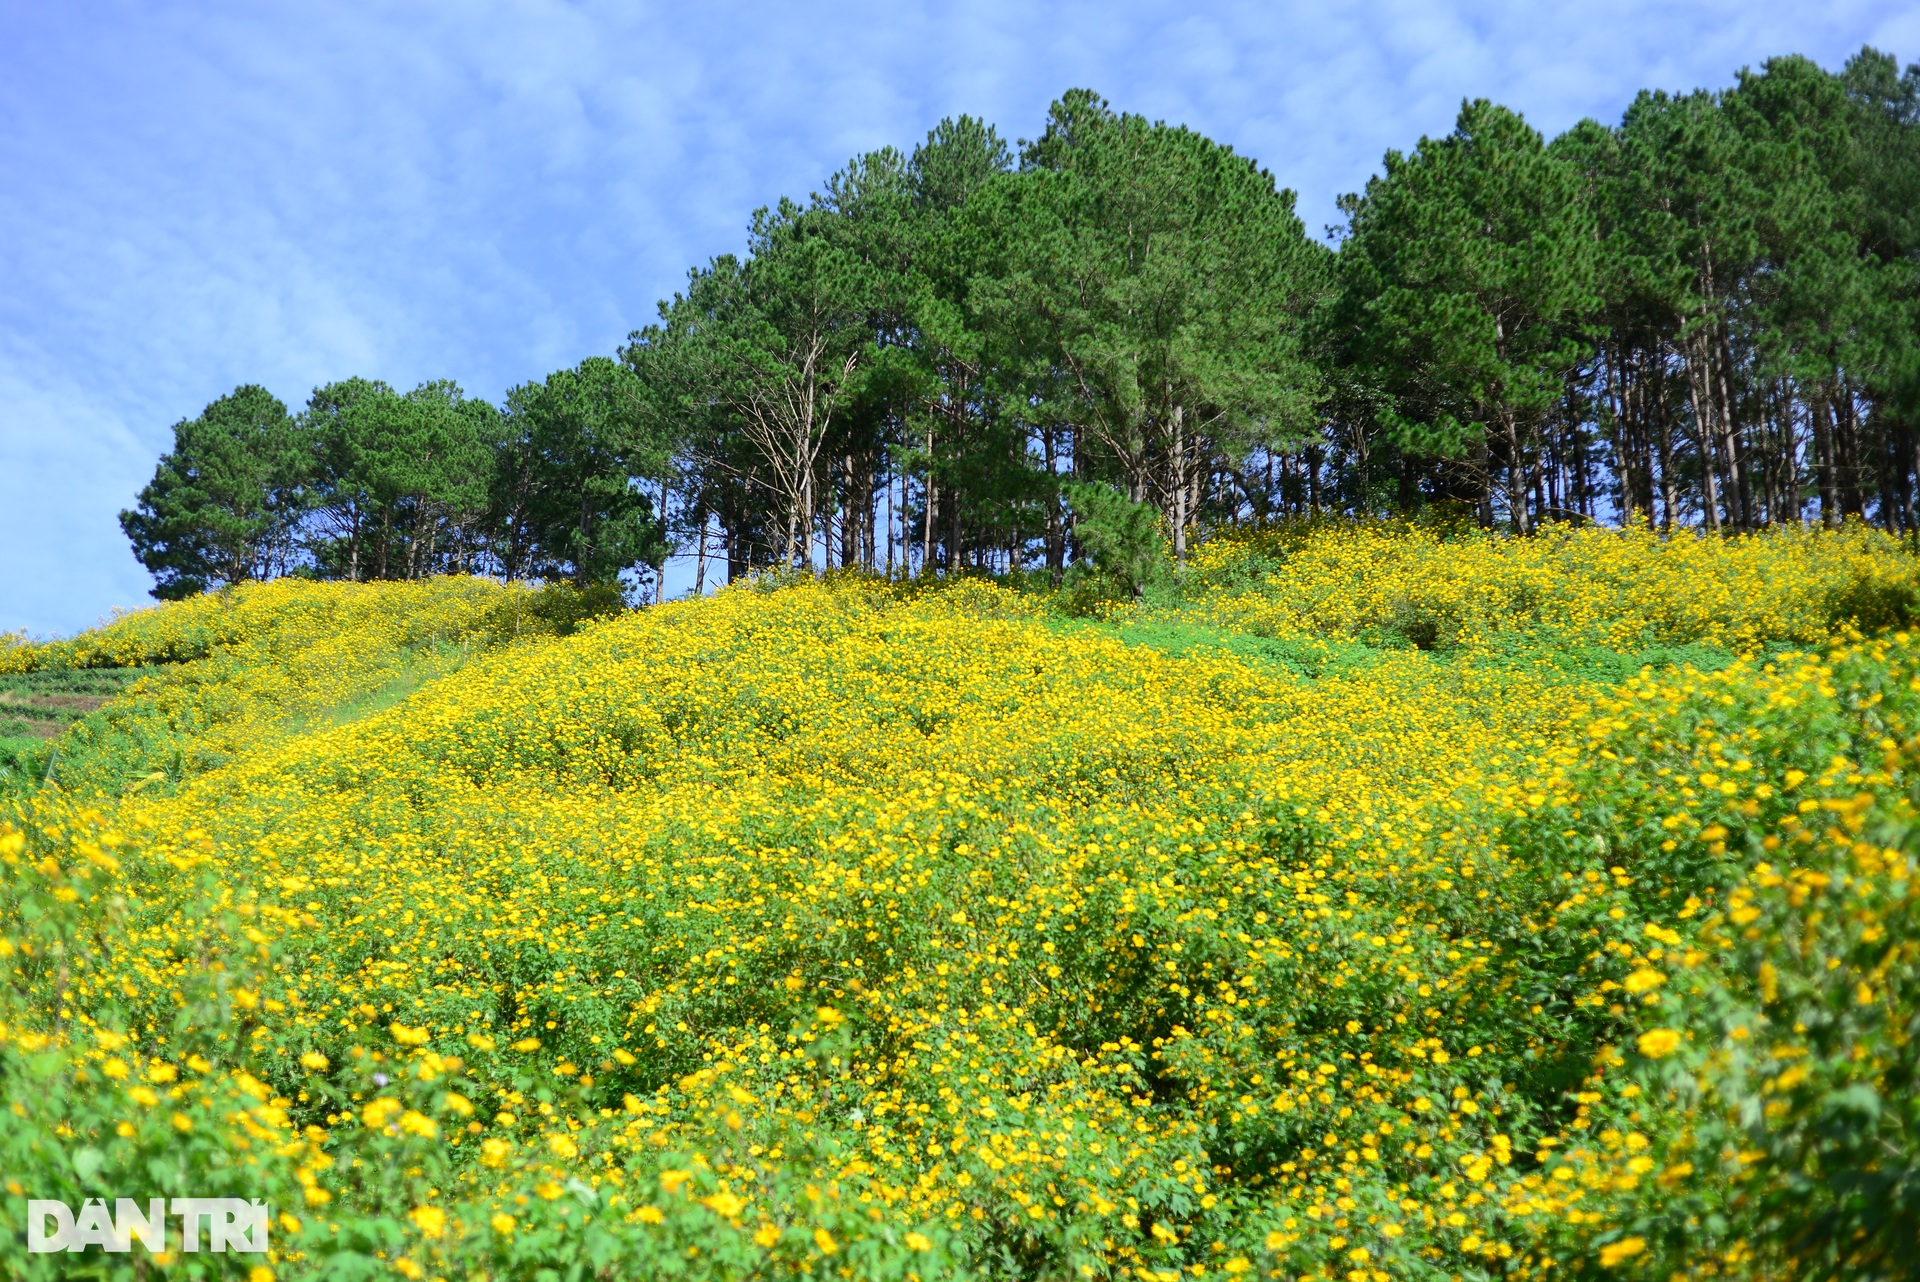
x: 201, y: 195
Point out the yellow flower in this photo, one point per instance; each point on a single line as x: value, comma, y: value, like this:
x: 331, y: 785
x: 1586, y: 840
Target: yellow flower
x: 868, y: 769
x: 430, y: 1220
x: 181, y: 1122
x: 501, y: 1222
x: 824, y: 1240
x: 1658, y: 1042
x: 408, y: 1269
x: 1645, y: 980
x: 1612, y: 1254
x: 419, y: 1124
x: 919, y: 1242
x: 376, y: 1114
x: 260, y: 1273
x: 725, y: 1204
x: 313, y: 1060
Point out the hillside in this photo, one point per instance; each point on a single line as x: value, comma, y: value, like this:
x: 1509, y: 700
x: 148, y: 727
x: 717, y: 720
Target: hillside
x: 1371, y: 904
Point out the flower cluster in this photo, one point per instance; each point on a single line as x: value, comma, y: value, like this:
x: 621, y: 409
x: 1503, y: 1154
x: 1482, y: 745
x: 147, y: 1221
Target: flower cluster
x: 847, y: 929
x: 1572, y: 587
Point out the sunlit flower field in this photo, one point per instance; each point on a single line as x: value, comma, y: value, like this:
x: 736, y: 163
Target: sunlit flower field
x: 1380, y: 905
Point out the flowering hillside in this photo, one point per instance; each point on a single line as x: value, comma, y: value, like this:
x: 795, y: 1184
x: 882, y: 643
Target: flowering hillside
x: 846, y: 929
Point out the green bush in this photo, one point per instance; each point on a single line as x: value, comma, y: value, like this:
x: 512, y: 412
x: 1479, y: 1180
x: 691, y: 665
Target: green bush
x: 1123, y: 537
x: 556, y: 609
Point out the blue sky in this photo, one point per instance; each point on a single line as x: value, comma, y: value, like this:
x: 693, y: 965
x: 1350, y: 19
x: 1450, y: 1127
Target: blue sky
x: 196, y: 196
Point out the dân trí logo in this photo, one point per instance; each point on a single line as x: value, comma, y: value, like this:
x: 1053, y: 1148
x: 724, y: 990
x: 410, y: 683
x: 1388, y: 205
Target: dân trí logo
x: 206, y: 1224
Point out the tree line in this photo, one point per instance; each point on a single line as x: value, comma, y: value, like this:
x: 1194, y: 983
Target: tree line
x: 991, y: 357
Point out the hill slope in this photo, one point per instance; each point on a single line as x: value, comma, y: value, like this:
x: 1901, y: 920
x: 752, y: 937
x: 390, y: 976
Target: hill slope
x: 848, y: 926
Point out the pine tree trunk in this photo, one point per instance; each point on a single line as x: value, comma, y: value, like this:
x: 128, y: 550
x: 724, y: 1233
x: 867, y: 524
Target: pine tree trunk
x: 1622, y: 432
x: 869, y: 514
x: 1663, y: 428
x: 1885, y: 455
x: 1516, y: 485
x: 700, y: 556
x: 1700, y: 390
x: 1823, y: 459
x: 1055, y: 525
x: 1739, y: 499
x: 1847, y: 449
x: 1652, y: 397
x: 933, y: 506
x: 1179, y: 487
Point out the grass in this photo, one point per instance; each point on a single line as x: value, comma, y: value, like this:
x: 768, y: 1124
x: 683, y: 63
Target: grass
x: 1316, y: 657
x: 422, y: 664
x: 41, y: 705
x: 36, y: 708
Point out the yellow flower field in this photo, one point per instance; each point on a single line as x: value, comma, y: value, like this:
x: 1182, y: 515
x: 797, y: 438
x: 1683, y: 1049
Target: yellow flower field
x: 850, y: 929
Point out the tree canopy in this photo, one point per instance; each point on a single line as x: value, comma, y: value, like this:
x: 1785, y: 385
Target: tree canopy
x: 1704, y: 315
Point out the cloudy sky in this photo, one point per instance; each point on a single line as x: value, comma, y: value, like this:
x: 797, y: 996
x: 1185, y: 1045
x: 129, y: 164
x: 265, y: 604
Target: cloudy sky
x: 196, y: 196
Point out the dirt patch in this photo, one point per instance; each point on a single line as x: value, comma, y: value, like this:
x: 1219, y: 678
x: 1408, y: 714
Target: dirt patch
x: 22, y: 728
x: 80, y: 704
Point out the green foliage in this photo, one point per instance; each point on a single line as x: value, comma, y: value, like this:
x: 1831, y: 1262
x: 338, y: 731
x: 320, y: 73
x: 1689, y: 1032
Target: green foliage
x: 558, y: 609
x: 396, y: 479
x: 23, y: 764
x: 1168, y: 279
x: 1467, y: 273
x: 37, y: 707
x: 566, y: 482
x: 1124, y: 538
x: 1765, y: 1063
x: 1875, y: 603
x: 223, y: 502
